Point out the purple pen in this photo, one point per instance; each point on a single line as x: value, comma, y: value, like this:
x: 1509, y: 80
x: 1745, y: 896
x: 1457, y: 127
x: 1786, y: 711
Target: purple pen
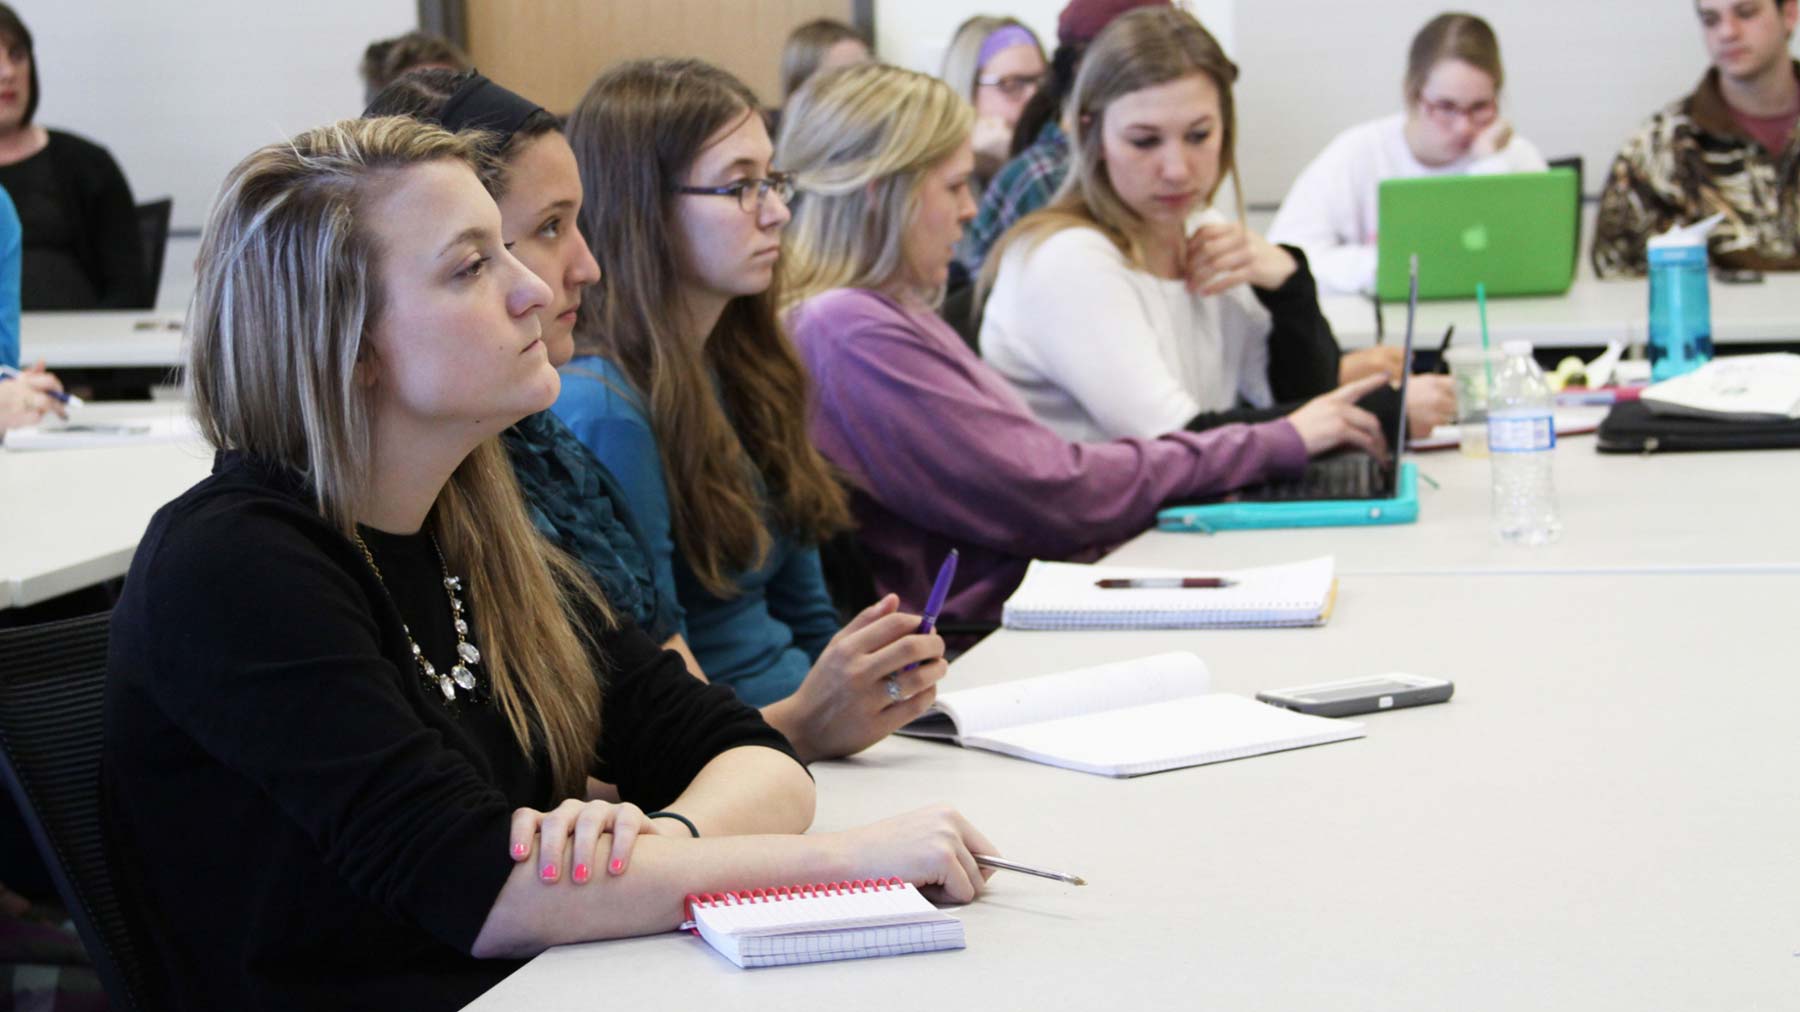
x: 939, y: 591
x: 933, y: 604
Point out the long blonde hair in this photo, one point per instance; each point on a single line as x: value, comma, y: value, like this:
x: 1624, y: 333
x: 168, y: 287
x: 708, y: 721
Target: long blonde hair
x: 859, y: 141
x: 1142, y: 49
x: 286, y: 293
x: 735, y: 449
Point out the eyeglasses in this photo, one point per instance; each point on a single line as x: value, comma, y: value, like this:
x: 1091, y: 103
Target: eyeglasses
x: 1446, y: 112
x: 750, y: 193
x: 1013, y: 85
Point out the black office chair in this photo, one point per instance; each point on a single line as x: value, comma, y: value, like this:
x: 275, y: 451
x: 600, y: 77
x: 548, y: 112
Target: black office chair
x: 52, y: 681
x: 153, y: 228
x: 1573, y: 162
x: 958, y: 308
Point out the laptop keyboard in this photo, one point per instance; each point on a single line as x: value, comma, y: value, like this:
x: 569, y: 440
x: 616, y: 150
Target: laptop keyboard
x: 1344, y: 476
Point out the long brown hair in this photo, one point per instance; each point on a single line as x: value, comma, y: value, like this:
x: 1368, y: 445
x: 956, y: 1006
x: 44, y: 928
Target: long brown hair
x: 286, y: 292
x: 730, y: 446
x: 1142, y: 49
x: 1452, y: 36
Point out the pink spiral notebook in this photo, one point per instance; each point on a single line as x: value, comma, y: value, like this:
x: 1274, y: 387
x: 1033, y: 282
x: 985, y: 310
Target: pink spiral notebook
x: 820, y: 922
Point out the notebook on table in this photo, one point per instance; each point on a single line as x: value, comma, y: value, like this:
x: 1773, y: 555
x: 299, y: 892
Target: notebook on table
x: 821, y: 922
x: 1513, y: 232
x: 1733, y: 388
x: 1123, y: 719
x: 1346, y: 489
x: 1068, y: 595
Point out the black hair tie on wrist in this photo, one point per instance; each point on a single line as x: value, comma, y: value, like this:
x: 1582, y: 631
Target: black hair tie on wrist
x: 684, y: 820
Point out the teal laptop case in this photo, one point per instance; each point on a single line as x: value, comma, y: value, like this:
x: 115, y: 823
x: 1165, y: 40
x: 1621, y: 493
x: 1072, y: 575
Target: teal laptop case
x: 1403, y: 508
x: 1515, y: 233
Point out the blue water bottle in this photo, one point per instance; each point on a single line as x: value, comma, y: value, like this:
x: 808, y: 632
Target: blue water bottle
x: 1680, y: 338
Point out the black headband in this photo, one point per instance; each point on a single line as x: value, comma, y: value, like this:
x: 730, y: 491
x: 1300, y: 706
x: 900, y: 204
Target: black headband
x: 480, y: 104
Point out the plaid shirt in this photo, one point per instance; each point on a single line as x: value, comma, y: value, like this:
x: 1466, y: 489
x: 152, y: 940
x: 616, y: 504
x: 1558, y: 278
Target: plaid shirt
x: 1691, y: 161
x: 1020, y: 187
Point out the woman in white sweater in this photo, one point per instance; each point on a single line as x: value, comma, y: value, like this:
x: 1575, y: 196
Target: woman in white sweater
x: 1452, y: 126
x: 1128, y: 307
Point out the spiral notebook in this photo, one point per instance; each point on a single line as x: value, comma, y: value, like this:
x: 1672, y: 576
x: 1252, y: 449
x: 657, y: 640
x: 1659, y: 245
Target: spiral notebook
x: 1066, y: 595
x: 820, y: 922
x: 1122, y: 719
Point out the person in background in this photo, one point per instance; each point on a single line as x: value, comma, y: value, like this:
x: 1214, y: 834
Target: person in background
x: 820, y: 44
x: 12, y: 253
x: 940, y: 451
x: 686, y: 387
x: 1451, y: 125
x: 1730, y: 147
x: 1040, y: 146
x: 349, y: 649
x: 82, y: 248
x: 1130, y: 306
x: 386, y: 59
x: 996, y: 64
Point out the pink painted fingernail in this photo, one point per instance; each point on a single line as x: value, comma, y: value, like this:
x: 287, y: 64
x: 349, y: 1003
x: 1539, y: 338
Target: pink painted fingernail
x: 549, y: 873
x: 581, y: 873
x: 617, y: 866
x: 520, y: 850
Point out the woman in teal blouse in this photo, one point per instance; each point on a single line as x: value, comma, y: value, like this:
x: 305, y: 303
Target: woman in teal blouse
x: 687, y: 389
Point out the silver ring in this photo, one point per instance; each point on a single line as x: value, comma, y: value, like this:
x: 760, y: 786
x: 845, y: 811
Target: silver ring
x: 893, y: 687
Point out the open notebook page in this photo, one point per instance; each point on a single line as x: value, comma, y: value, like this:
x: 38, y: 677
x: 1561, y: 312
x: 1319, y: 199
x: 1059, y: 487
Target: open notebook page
x: 1166, y: 735
x: 1063, y: 694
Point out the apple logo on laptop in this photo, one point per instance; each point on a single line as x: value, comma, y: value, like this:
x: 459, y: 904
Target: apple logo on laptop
x: 1475, y: 238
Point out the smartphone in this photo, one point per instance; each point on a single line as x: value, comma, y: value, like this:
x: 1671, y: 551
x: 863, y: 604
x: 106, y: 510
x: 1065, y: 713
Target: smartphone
x: 1360, y: 695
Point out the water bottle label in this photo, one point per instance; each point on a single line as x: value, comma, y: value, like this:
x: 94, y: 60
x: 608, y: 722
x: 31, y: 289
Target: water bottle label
x: 1521, y: 433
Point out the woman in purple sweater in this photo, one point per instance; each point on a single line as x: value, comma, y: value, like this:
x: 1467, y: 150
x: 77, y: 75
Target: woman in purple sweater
x: 940, y: 451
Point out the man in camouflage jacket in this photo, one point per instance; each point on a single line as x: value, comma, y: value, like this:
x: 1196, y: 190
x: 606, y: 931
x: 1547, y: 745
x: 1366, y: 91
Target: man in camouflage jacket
x: 1701, y: 155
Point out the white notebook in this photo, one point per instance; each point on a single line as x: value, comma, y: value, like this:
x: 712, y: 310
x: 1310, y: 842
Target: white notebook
x: 79, y: 434
x: 1122, y: 719
x: 1067, y: 595
x: 1737, y: 388
x: 815, y: 923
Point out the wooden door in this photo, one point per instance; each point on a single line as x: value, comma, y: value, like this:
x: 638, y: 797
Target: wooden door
x: 551, y: 50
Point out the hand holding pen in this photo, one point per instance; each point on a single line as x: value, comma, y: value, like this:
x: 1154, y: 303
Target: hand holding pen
x: 877, y: 674
x: 26, y: 396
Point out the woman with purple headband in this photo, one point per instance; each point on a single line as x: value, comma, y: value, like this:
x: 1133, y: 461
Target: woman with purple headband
x: 996, y: 64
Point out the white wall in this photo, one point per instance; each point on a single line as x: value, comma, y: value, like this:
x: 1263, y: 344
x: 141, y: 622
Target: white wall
x: 914, y: 33
x: 1581, y: 74
x: 179, y: 92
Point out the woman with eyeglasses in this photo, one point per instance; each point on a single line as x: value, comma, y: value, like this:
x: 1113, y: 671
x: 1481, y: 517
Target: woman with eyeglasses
x: 996, y: 64
x: 1452, y: 126
x: 685, y: 386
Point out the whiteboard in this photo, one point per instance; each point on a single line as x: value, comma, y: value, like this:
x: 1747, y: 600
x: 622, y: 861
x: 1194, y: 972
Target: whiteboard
x: 181, y: 92
x: 1581, y: 75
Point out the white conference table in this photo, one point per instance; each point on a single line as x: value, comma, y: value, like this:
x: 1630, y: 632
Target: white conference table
x: 1691, y: 512
x: 102, y: 338
x: 1592, y: 313
x: 1602, y: 818
x: 72, y: 518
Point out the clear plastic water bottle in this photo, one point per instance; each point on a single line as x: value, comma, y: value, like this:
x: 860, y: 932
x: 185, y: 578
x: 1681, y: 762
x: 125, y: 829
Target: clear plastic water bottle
x: 1680, y: 338
x: 1522, y: 450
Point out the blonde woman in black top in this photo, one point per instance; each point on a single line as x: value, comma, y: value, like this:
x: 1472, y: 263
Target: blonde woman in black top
x: 346, y: 670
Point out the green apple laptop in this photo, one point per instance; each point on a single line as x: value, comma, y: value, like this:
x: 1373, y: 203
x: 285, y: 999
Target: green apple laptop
x: 1515, y: 233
